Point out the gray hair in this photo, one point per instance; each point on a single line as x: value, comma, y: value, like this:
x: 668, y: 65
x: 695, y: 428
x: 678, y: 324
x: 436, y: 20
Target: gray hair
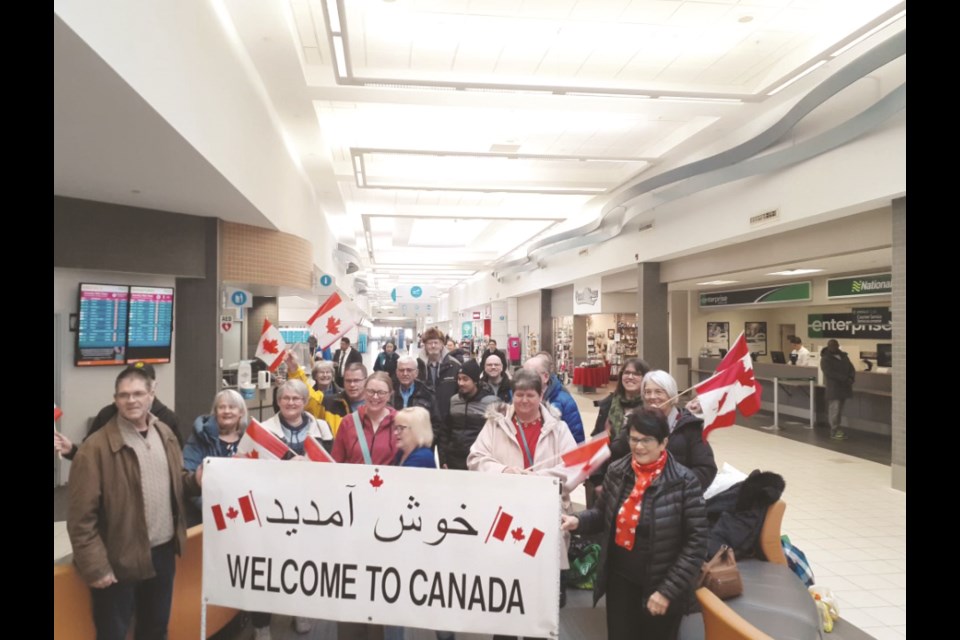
x: 418, y: 420
x: 297, y: 387
x: 234, y: 399
x: 406, y: 359
x: 321, y: 365
x: 539, y: 364
x: 524, y: 380
x: 663, y: 380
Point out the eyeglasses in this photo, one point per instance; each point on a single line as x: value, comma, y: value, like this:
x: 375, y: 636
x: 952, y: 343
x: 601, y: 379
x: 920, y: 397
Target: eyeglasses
x: 399, y: 428
x: 646, y: 442
x: 377, y: 394
x: 353, y: 382
x: 291, y: 399
x: 655, y: 393
x: 631, y: 374
x: 136, y: 395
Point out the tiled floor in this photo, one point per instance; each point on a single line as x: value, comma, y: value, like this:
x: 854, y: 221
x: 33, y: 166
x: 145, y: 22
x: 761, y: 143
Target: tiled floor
x: 841, y: 512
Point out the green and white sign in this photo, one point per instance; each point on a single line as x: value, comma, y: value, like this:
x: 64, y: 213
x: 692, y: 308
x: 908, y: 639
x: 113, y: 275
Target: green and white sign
x: 878, y: 284
x: 777, y: 294
x: 875, y: 325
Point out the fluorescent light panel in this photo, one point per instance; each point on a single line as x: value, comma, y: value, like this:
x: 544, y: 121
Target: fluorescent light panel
x: 794, y: 272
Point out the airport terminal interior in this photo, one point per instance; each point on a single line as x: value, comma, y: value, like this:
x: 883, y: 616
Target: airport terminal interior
x: 596, y: 179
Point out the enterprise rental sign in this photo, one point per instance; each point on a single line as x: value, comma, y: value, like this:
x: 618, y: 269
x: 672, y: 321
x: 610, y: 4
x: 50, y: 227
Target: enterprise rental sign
x: 451, y: 550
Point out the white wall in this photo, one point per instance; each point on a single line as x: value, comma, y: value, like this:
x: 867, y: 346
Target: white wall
x: 85, y: 390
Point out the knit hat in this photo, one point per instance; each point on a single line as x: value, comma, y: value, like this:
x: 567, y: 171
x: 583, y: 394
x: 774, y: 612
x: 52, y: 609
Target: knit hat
x: 471, y: 369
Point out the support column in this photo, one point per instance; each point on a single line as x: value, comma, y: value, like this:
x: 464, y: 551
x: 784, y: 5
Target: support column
x: 546, y: 320
x: 898, y: 462
x: 197, y: 350
x: 653, y: 330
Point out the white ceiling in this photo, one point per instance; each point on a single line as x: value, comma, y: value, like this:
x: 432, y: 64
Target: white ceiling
x: 449, y: 134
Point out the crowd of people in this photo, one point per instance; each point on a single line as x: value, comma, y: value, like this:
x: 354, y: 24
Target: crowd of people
x: 431, y: 410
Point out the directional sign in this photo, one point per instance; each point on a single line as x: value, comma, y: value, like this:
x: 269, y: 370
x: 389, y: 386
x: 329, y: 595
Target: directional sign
x: 239, y: 298
x: 323, y: 283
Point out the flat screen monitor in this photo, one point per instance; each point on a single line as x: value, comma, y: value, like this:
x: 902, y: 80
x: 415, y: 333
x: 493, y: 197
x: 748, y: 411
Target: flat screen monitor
x: 778, y: 357
x: 884, y: 355
x: 102, y: 325
x: 150, y: 324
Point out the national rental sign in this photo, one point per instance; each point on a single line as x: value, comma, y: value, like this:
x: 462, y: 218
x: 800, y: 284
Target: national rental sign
x: 858, y: 286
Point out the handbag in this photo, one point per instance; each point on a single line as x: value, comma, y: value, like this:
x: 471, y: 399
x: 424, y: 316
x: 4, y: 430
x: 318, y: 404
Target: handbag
x: 720, y: 574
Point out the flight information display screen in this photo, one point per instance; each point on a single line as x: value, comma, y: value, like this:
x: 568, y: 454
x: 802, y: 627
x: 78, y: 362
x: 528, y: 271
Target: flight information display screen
x: 150, y: 324
x: 102, y: 325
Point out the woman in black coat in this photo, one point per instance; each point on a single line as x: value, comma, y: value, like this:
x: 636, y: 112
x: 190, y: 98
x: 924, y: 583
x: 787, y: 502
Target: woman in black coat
x: 387, y: 360
x: 654, y: 524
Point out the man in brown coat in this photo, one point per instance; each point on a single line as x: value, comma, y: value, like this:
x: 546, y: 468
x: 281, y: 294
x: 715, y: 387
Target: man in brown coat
x: 126, y: 516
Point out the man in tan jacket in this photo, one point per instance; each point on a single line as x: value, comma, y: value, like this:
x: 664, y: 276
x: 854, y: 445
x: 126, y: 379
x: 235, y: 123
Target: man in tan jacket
x: 126, y: 516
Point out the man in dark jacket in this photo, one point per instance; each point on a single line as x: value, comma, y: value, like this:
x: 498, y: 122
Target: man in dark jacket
x: 438, y: 370
x: 344, y: 356
x: 492, y: 350
x: 838, y: 374
x: 411, y: 392
x: 466, y: 417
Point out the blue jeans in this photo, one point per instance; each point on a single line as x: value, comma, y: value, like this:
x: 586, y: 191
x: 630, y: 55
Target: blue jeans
x: 114, y: 606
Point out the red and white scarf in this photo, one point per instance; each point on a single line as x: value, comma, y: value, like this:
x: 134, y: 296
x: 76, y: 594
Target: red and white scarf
x: 629, y: 515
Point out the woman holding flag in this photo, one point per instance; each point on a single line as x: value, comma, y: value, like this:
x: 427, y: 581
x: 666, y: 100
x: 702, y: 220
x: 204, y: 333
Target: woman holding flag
x: 525, y: 434
x: 654, y: 524
x: 686, y: 444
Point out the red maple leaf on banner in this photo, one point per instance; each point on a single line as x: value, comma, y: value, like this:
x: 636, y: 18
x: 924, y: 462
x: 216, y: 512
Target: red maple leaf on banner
x: 232, y: 513
x: 518, y: 534
x: 376, y: 481
x: 270, y: 346
x: 333, y: 325
x: 253, y: 454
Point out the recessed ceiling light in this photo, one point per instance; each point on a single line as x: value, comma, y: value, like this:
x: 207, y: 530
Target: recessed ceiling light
x: 745, y: 19
x: 712, y: 282
x: 794, y: 272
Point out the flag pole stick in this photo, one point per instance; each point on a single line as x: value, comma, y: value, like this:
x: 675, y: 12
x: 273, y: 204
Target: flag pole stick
x: 552, y: 461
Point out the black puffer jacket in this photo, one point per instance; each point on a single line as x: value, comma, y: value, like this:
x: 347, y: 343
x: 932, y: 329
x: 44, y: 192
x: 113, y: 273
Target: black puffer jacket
x: 673, y: 513
x: 685, y: 444
x: 736, y: 515
x: 422, y: 397
x: 463, y: 425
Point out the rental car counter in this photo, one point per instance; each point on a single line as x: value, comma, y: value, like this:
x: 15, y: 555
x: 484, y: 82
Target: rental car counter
x: 869, y: 410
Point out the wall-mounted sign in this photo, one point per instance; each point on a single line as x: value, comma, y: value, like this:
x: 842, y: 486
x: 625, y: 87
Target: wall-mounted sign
x: 476, y: 315
x: 586, y: 296
x: 846, y: 325
x: 239, y: 298
x: 777, y: 294
x: 466, y: 329
x: 878, y: 284
x: 226, y: 323
x: 323, y: 283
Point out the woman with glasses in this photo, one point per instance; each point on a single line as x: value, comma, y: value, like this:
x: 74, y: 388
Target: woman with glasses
x: 366, y: 436
x: 374, y: 421
x: 323, y: 381
x: 686, y: 429
x: 654, y: 524
x: 294, y: 423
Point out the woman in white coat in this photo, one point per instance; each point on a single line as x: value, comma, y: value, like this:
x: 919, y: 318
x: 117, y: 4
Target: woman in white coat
x: 525, y: 434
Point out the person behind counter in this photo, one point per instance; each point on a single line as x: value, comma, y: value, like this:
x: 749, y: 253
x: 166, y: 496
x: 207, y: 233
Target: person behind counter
x: 654, y: 524
x: 800, y: 355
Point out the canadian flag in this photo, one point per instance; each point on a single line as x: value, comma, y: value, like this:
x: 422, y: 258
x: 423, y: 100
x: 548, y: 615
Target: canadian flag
x: 578, y: 464
x: 733, y: 387
x: 501, y: 527
x: 333, y: 320
x: 258, y: 442
x: 271, y: 347
x: 247, y: 511
x: 57, y: 412
x: 315, y: 451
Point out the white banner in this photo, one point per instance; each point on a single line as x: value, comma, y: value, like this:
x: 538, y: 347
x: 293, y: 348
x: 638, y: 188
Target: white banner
x: 586, y: 296
x: 451, y: 550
